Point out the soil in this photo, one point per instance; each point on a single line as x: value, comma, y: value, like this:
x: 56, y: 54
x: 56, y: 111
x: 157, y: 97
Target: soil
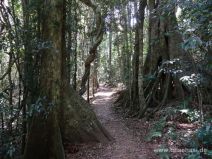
x: 129, y: 134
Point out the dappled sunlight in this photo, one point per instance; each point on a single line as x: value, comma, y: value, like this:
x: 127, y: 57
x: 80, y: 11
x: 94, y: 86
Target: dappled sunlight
x: 187, y: 126
x: 100, y: 101
x: 104, y: 94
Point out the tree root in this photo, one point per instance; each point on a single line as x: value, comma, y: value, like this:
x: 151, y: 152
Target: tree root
x: 80, y: 122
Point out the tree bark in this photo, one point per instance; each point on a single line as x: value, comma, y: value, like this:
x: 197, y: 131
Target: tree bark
x: 164, y: 45
x: 60, y: 114
x: 110, y: 55
x: 142, y: 102
x: 98, y: 37
x: 137, y: 85
x: 44, y: 129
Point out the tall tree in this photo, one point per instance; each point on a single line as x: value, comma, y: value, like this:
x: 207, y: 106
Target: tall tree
x: 164, y: 45
x: 110, y: 52
x: 136, y: 87
x: 44, y: 129
x: 98, y: 37
x: 142, y: 102
x: 59, y: 115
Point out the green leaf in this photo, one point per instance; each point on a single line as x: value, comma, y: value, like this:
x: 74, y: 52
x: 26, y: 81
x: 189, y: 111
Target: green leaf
x: 209, y: 153
x: 156, y: 134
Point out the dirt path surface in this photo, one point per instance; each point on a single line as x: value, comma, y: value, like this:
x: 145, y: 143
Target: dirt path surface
x: 128, y: 134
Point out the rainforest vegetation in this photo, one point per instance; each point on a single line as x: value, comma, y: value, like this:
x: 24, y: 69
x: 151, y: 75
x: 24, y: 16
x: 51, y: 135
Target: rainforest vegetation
x: 112, y: 79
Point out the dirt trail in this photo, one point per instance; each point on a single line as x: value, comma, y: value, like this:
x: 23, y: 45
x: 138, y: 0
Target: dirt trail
x: 128, y: 134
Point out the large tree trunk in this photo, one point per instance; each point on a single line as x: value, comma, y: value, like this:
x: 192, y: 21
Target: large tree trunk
x: 59, y: 115
x: 44, y: 138
x: 164, y: 38
x: 164, y: 45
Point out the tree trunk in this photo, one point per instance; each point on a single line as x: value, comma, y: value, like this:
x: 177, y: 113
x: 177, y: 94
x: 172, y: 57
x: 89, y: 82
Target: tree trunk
x: 135, y: 66
x: 44, y: 129
x: 164, y: 45
x: 95, y: 77
x: 81, y: 124
x: 97, y: 40
x: 142, y: 102
x: 110, y: 56
x: 136, y: 92
x: 60, y: 114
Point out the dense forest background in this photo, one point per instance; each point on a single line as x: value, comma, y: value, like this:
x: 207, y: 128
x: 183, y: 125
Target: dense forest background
x: 55, y: 54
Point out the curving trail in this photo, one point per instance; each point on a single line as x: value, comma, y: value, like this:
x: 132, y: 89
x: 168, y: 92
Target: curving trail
x: 128, y: 134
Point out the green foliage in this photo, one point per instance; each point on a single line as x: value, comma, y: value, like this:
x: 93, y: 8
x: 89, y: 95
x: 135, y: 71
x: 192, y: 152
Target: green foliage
x: 10, y: 144
x: 40, y: 106
x: 194, y: 155
x: 194, y: 21
x: 171, y: 133
x: 9, y: 139
x: 163, y: 152
x: 181, y: 109
x: 10, y: 150
x: 204, y: 135
x: 191, y: 114
x: 157, y: 129
x: 202, y: 141
x: 192, y: 43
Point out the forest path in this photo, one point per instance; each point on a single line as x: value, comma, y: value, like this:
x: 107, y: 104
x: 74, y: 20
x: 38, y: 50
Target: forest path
x: 128, y: 134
